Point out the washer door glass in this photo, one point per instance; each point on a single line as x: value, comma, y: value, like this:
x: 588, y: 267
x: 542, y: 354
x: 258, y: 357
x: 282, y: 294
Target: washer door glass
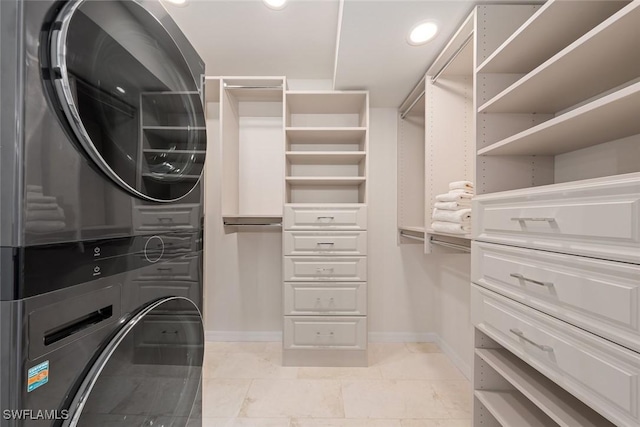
x: 129, y: 97
x: 149, y: 374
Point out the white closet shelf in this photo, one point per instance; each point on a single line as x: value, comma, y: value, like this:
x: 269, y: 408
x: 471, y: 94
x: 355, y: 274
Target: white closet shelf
x: 611, y: 117
x: 553, y: 400
x: 323, y: 180
x: 511, y: 408
x: 256, y: 94
x: 334, y: 135
x: 325, y: 157
x: 411, y: 229
x: 533, y: 43
x: 555, y: 85
x: 173, y: 128
x: 320, y: 102
x: 457, y: 236
x: 252, y: 219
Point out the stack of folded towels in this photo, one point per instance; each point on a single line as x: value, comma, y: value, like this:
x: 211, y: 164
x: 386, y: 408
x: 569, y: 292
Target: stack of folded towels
x: 42, y: 212
x: 452, y: 211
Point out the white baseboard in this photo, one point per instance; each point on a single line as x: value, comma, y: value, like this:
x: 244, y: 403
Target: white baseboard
x: 403, y: 337
x: 243, y: 336
x: 455, y: 358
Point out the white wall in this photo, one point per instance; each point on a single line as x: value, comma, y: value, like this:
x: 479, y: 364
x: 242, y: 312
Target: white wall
x: 412, y: 296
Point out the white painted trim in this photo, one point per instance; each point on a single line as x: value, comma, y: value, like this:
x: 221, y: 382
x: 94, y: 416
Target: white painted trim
x: 455, y: 357
x: 335, y: 61
x: 403, y: 337
x: 243, y: 336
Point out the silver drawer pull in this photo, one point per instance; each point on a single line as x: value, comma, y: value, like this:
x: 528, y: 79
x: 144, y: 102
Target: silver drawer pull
x: 330, y: 218
x: 165, y: 219
x: 526, y: 279
x: 324, y: 270
x: 325, y: 243
x: 534, y: 219
x: 330, y: 334
x: 520, y: 334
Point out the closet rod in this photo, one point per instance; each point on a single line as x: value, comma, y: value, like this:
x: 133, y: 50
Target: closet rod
x: 231, y: 224
x: 413, y: 104
x: 226, y: 86
x: 411, y: 236
x: 453, y: 57
x: 449, y: 245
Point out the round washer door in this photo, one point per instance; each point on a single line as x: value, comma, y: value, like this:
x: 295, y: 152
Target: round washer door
x: 148, y: 374
x: 128, y: 96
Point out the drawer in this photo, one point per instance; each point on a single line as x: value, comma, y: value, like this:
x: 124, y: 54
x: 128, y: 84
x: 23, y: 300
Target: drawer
x: 325, y: 268
x: 325, y: 243
x: 352, y: 217
x: 600, y: 296
x: 145, y: 291
x: 348, y: 333
x: 329, y: 299
x: 178, y: 269
x: 176, y: 217
x: 602, y: 374
x: 597, y: 218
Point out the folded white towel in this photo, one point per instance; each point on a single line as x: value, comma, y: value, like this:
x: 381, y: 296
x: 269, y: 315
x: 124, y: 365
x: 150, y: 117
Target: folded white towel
x: 450, y: 227
x: 459, y: 216
x: 39, y: 198
x: 45, y: 215
x: 34, y: 188
x: 461, y: 185
x: 455, y: 196
x: 44, y: 226
x: 31, y: 206
x: 453, y: 206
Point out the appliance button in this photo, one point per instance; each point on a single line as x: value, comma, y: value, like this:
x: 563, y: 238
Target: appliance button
x: 154, y: 249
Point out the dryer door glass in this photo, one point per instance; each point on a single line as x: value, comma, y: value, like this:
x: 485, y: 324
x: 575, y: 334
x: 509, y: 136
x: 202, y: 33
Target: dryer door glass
x: 129, y: 97
x: 149, y: 374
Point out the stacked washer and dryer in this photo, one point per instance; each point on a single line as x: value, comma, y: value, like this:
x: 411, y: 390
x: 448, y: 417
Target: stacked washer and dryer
x: 101, y: 152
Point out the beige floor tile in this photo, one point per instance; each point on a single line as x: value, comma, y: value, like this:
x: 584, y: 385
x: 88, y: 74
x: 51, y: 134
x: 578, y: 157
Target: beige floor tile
x: 223, y: 397
x: 293, y: 398
x: 436, y: 423
x: 274, y: 346
x: 211, y: 362
x: 236, y: 347
x: 391, y: 399
x: 343, y: 422
x: 253, y: 365
x: 456, y: 396
x: 423, y: 347
x: 370, y: 373
x: 420, y: 366
x: 245, y: 422
x: 383, y: 352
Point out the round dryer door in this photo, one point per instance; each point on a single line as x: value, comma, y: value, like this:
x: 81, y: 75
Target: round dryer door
x: 128, y: 95
x: 149, y: 374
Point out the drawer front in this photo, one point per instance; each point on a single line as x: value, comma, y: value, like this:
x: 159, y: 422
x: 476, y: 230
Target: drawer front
x: 331, y: 299
x: 600, y: 296
x: 179, y: 269
x: 325, y: 268
x: 598, y: 220
x: 151, y: 290
x: 348, y: 333
x: 179, y: 217
x: 321, y: 243
x: 326, y: 218
x: 602, y: 374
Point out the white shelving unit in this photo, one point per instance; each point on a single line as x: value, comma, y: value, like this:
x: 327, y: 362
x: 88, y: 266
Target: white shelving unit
x: 252, y: 133
x: 557, y: 100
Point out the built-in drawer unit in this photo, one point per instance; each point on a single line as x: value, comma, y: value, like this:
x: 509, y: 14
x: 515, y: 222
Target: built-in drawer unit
x: 602, y: 297
x: 604, y: 375
x: 598, y: 218
x: 346, y: 333
x: 326, y: 217
x: 304, y: 268
x: 325, y: 299
x: 325, y: 243
x: 177, y: 217
x: 177, y: 269
x: 150, y: 290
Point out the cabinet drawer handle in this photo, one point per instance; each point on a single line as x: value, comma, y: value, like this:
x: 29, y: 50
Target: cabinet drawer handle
x: 325, y: 243
x: 534, y: 219
x: 520, y: 334
x: 165, y: 219
x: 330, y: 334
x: 326, y: 217
x: 526, y: 279
x: 164, y: 269
x: 324, y: 270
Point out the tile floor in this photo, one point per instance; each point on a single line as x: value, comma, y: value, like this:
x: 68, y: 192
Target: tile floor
x: 406, y: 385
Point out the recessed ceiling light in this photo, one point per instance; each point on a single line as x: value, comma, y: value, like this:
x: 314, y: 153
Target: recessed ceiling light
x: 422, y: 33
x: 178, y: 2
x: 120, y: 89
x: 275, y: 4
